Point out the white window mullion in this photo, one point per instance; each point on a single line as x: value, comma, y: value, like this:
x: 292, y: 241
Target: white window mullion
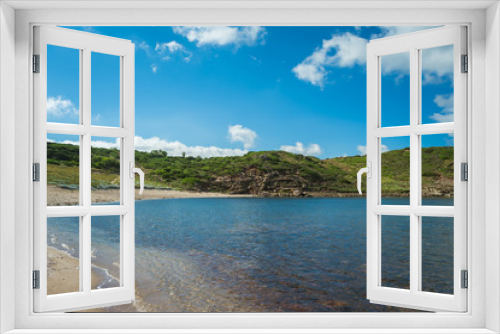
x: 127, y: 102
x: 86, y: 255
x: 373, y: 184
x: 414, y: 171
x: 395, y: 131
x: 422, y: 211
x: 422, y: 129
x: 85, y: 171
x: 85, y: 236
x: 416, y: 178
x: 80, y: 130
x: 67, y: 129
x: 86, y: 114
x: 102, y: 131
x: 433, y: 129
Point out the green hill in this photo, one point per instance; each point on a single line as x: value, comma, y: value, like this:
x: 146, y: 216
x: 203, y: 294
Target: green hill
x: 266, y: 173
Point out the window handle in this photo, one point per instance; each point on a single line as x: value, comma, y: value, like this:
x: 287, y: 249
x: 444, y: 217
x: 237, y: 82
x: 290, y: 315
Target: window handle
x: 368, y: 172
x: 134, y: 170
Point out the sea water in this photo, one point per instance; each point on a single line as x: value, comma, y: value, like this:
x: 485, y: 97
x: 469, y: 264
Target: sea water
x: 264, y: 254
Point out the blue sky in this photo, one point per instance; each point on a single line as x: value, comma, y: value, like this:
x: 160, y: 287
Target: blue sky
x: 213, y: 91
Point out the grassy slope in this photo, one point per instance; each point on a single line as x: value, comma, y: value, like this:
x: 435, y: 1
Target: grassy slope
x: 276, y: 169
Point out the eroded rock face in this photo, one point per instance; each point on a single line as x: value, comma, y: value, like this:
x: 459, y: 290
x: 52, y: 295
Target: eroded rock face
x: 268, y: 185
x: 254, y: 182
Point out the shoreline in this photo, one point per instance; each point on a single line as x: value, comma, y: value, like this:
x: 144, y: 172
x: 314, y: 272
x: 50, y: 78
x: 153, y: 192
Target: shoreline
x: 57, y: 196
x: 63, y: 274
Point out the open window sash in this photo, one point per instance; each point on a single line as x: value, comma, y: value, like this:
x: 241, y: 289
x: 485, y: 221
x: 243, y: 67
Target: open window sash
x: 85, y: 297
x: 415, y: 297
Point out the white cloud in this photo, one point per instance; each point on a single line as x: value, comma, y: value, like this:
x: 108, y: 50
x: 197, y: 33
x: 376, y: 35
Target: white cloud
x: 221, y: 36
x: 238, y: 133
x: 167, y: 50
x: 348, y: 50
x: 164, y: 52
x: 90, y: 29
x: 362, y: 149
x: 94, y: 143
x: 398, y: 30
x: 398, y: 64
x: 173, y: 148
x: 172, y: 46
x: 299, y: 148
x: 58, y: 107
x: 105, y: 144
x: 176, y: 148
x: 445, y: 102
x: 437, y: 63
x: 143, y: 46
x: 312, y: 73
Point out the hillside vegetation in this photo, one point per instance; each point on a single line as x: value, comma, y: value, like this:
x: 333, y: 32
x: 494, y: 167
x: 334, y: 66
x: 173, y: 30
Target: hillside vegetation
x: 266, y: 173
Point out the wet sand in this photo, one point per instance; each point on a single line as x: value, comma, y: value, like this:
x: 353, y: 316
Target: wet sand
x: 61, y: 196
x: 63, y: 274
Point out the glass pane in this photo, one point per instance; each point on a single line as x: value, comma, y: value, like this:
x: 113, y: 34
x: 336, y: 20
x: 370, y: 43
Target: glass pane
x: 63, y: 249
x: 395, y: 170
x: 63, y: 85
x: 63, y: 169
x: 105, y: 170
x: 105, y: 251
x: 105, y: 90
x: 437, y: 169
x: 437, y: 254
x: 395, y: 251
x: 395, y: 89
x: 437, y: 84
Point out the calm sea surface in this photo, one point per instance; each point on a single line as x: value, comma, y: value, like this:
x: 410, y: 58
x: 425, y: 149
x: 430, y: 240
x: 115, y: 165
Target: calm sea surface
x: 261, y: 255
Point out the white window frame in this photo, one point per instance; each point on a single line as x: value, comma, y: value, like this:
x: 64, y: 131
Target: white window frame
x: 413, y: 44
x: 484, y: 308
x: 86, y: 43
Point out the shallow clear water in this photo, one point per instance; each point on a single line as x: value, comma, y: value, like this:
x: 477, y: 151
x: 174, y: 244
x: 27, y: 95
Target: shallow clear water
x: 264, y: 255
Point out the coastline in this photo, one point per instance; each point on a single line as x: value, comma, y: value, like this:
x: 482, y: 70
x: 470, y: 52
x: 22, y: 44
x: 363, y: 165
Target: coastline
x: 57, y: 196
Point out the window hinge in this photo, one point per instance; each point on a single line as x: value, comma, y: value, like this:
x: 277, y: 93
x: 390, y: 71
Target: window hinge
x: 36, y: 172
x: 36, y: 63
x: 465, y: 279
x: 36, y: 279
x: 464, y: 172
x: 465, y: 64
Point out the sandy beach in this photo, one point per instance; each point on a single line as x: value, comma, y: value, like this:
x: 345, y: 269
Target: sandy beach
x: 61, y: 196
x: 63, y: 274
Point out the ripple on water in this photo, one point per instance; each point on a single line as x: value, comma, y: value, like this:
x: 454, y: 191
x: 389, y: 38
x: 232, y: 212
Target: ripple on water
x: 251, y: 255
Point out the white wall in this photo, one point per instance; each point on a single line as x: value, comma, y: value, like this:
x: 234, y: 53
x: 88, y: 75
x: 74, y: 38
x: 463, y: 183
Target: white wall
x: 7, y: 161
x: 492, y: 165
x: 480, y: 122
